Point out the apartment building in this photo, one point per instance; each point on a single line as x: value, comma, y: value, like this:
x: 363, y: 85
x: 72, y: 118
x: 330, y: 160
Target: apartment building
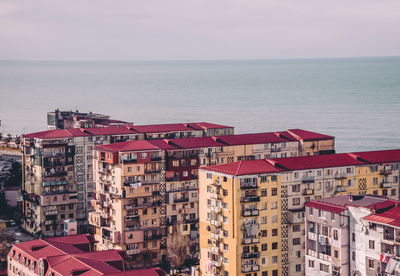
x: 342, y: 237
x: 74, y: 119
x: 168, y: 167
x: 300, y: 179
x: 382, y: 254
x: 58, y: 172
x: 69, y: 255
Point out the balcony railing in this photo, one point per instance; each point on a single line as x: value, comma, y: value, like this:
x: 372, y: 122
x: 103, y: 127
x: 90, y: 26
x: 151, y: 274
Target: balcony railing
x: 308, y: 179
x: 251, y: 255
x: 385, y: 171
x: 250, y: 240
x: 386, y: 184
x: 128, y: 161
x: 249, y: 199
x: 308, y: 192
x: 250, y: 268
x: 54, y: 183
x: 177, y: 200
x: 250, y: 212
x: 248, y: 186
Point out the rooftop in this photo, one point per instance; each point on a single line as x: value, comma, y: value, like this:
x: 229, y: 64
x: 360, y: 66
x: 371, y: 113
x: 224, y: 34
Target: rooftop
x: 308, y: 162
x: 338, y: 204
x: 388, y: 217
x: 206, y: 142
x: 72, y: 255
x: 119, y: 130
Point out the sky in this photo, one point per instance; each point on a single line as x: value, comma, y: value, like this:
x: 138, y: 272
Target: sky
x: 197, y: 29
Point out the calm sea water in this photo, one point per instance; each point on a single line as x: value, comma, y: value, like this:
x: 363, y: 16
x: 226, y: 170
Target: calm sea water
x: 356, y: 100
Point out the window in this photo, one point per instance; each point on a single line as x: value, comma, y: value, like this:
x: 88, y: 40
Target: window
x: 336, y: 254
x: 264, y: 233
x: 375, y: 180
x: 333, y: 216
x: 209, y: 175
x: 325, y: 230
x: 274, y: 191
x: 335, y: 235
x: 353, y: 256
x: 298, y: 254
x: 273, y: 178
x: 296, y: 201
x: 310, y: 263
x: 274, y: 205
x: 263, y: 178
x: 371, y: 264
x: 264, y: 247
x: 274, y: 259
x: 143, y: 155
x: 263, y: 219
x: 129, y: 169
x: 175, y: 163
x: 296, y: 241
x: 274, y: 232
x: 225, y: 220
x: 320, y: 213
x: 353, y: 237
x: 296, y: 228
x: 264, y: 273
x: 371, y: 244
x: 296, y: 188
x: 263, y: 260
x: 225, y: 192
x: 298, y: 267
x: 275, y: 272
x: 274, y: 245
x: 324, y: 268
x: 263, y: 192
x: 185, y: 174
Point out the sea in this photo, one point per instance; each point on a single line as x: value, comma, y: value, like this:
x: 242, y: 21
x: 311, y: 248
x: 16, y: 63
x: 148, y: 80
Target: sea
x: 357, y: 100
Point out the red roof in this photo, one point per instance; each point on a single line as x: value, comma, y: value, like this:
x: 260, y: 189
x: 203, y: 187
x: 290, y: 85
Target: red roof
x: 195, y: 142
x: 306, y: 135
x: 244, y: 167
x: 129, y: 146
x: 205, y: 125
x: 310, y: 162
x: 317, y: 161
x: 80, y: 132
x: 66, y: 254
x: 382, y: 156
x: 253, y: 138
x: 141, y: 272
x: 338, y: 204
x: 388, y: 217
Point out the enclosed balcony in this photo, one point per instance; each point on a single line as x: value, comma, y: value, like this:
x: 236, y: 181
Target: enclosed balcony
x: 308, y: 179
x: 250, y: 198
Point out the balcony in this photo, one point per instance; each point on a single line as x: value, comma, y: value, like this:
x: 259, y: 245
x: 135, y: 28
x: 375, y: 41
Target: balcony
x: 385, y: 171
x: 152, y: 237
x: 276, y: 150
x: 312, y: 253
x: 54, y: 183
x: 312, y: 236
x: 324, y: 257
x: 129, y: 161
x: 250, y: 212
x: 308, y: 192
x: 155, y: 158
x: 250, y: 240
x: 178, y: 200
x: 250, y: 198
x: 250, y: 268
x: 131, y: 217
x: 340, y: 189
x: 340, y: 176
x: 248, y: 186
x: 132, y: 251
x: 308, y: 179
x: 386, y: 184
x: 251, y: 255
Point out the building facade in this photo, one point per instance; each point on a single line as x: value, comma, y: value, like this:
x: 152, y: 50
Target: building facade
x: 300, y: 180
x: 58, y: 172
x: 70, y: 255
x: 342, y: 237
x: 172, y: 173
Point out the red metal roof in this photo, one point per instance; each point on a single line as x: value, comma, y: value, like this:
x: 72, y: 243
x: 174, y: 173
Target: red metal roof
x: 80, y: 132
x: 388, y: 217
x: 306, y: 135
x: 338, y: 204
x: 381, y: 156
x: 317, y: 161
x: 310, y: 162
x: 64, y: 256
x: 253, y: 138
x: 128, y: 146
x: 244, y: 167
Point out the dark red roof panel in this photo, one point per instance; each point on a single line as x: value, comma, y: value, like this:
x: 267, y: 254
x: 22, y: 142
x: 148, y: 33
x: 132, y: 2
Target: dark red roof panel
x: 389, y: 217
x: 244, y: 167
x: 306, y: 135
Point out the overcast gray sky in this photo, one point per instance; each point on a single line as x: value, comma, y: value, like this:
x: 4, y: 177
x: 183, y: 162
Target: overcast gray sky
x: 197, y: 29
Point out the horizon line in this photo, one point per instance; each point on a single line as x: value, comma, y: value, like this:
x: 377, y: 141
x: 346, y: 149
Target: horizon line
x: 193, y: 60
